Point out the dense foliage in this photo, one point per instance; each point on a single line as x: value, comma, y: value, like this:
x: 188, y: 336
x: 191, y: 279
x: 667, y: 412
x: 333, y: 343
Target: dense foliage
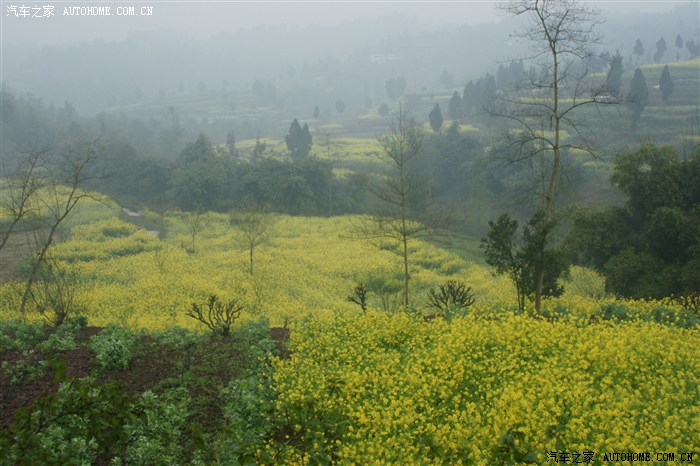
x: 650, y: 247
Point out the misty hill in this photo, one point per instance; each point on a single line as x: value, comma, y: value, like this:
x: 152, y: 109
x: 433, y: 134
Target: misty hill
x: 303, y: 65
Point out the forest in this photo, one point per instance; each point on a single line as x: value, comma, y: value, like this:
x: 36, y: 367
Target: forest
x: 413, y: 250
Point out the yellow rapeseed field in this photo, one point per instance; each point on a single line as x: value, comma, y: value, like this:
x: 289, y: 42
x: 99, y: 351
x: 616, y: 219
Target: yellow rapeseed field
x: 388, y: 387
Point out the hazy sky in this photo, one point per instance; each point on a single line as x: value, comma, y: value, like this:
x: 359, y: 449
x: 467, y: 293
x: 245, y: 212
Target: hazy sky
x: 201, y: 19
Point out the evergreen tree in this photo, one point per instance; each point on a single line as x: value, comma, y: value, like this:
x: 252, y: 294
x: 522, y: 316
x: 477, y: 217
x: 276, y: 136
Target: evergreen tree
x: 660, y: 50
x: 638, y: 49
x: 316, y: 112
x: 614, y: 80
x: 638, y: 96
x: 468, y: 98
x: 435, y: 118
x: 454, y: 109
x: 298, y: 140
x: 666, y: 84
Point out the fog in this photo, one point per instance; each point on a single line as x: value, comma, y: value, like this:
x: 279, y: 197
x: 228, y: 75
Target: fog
x: 97, y: 62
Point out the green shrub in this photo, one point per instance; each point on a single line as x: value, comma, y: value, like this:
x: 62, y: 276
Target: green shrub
x: 256, y: 338
x: 614, y: 312
x: 667, y: 316
x: 73, y: 426
x: 63, y: 337
x: 178, y: 337
x: 114, y: 347
x: 155, y: 434
x: 16, y: 334
x: 247, y: 406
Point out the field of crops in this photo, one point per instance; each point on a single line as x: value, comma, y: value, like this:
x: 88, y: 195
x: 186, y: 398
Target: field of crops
x: 386, y: 386
x: 383, y: 389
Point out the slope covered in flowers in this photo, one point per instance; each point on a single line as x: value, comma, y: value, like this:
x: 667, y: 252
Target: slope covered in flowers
x: 381, y: 389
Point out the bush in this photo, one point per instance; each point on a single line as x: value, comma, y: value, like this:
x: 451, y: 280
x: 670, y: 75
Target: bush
x: 178, y: 337
x: 614, y: 312
x: 667, y: 316
x: 70, y: 427
x: 155, y: 435
x: 256, y: 338
x: 16, y: 334
x: 218, y: 316
x: 114, y: 347
x: 451, y: 299
x: 584, y: 282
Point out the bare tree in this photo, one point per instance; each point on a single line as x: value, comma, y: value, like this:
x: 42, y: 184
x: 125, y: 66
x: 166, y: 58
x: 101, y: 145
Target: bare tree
x: 195, y: 222
x: 400, y: 193
x: 219, y: 316
x: 59, y: 197
x: 561, y: 34
x: 256, y: 227
x: 20, y: 190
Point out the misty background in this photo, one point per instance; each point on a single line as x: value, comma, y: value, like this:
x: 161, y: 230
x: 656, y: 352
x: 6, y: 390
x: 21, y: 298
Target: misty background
x: 311, y: 52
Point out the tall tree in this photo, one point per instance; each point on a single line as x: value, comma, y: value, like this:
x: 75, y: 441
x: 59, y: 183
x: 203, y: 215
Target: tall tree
x: 679, y: 46
x: 255, y: 226
x: 400, y: 193
x: 200, y: 176
x: 693, y: 48
x: 613, y: 82
x: 561, y: 32
x: 660, y: 50
x: 638, y: 96
x: 454, y: 109
x: 62, y: 192
x: 435, y: 118
x: 299, y: 139
x: 522, y: 259
x: 666, y: 84
x: 638, y: 49
x: 19, y: 193
x: 650, y: 246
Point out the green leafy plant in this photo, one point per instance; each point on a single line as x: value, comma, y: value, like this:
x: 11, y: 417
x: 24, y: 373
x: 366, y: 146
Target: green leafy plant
x: 155, y: 431
x: 614, y: 312
x: 73, y: 426
x: 512, y: 448
x: 114, y: 347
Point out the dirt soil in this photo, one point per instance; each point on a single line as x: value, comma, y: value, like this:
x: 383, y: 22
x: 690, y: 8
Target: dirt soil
x: 155, y: 367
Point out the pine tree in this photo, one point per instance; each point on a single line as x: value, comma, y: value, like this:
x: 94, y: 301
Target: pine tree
x: 298, y: 140
x: 435, y: 118
x: 666, y: 84
x: 638, y: 96
x: 660, y: 50
x: 454, y: 109
x: 614, y: 80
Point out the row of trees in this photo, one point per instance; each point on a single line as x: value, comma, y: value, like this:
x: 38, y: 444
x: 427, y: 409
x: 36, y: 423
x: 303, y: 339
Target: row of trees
x: 661, y: 48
